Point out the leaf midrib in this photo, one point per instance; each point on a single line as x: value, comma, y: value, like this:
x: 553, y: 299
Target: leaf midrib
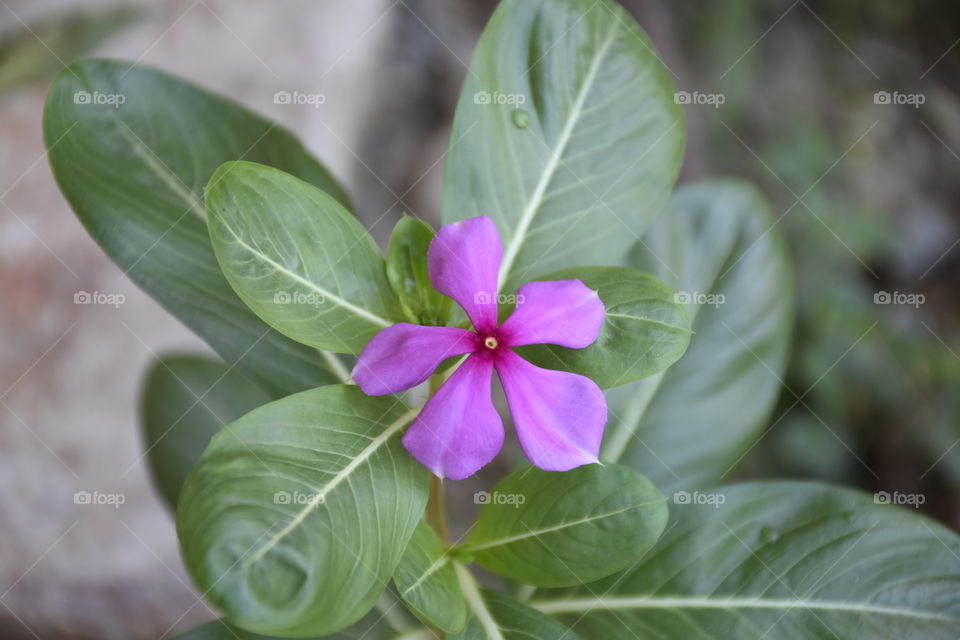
x: 438, y: 564
x: 643, y: 319
x: 533, y: 533
x: 368, y: 315
x: 475, y: 601
x: 163, y: 172
x: 618, y: 439
x: 321, y: 495
x: 536, y: 199
x: 584, y: 605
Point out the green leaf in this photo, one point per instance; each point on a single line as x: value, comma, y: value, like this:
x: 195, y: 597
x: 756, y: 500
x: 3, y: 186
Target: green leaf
x: 645, y: 330
x: 408, y: 275
x: 298, y: 258
x: 297, y: 514
x: 495, y: 616
x: 372, y: 627
x: 134, y: 173
x: 559, y: 529
x: 186, y: 400
x: 717, y: 245
x: 566, y: 134
x: 791, y: 561
x: 427, y: 582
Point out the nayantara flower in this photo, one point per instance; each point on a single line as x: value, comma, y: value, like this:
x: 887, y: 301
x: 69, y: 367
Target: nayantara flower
x: 558, y: 416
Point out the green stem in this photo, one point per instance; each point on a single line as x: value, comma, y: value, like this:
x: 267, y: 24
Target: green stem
x: 436, y: 506
x: 436, y: 510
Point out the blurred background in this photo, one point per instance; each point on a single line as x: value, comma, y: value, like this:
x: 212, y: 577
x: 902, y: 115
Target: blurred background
x: 846, y: 113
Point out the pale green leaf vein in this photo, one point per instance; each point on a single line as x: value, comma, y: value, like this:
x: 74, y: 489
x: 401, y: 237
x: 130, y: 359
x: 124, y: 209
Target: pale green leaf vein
x: 534, y: 533
x: 293, y: 275
x: 519, y: 234
x: 583, y: 605
x: 321, y: 495
x: 470, y: 591
x: 661, y: 323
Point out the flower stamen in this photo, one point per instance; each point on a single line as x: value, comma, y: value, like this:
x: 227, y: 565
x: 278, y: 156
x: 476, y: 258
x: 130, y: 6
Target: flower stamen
x: 490, y: 342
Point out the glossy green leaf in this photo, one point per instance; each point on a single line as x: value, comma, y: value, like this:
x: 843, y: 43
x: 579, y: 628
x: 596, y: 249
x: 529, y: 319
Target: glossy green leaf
x: 558, y: 529
x: 426, y: 581
x: 717, y: 245
x: 495, y: 616
x: 134, y: 174
x: 791, y: 561
x: 186, y: 400
x: 408, y: 275
x: 372, y: 627
x: 297, y: 514
x: 566, y: 134
x: 298, y: 258
x: 645, y: 330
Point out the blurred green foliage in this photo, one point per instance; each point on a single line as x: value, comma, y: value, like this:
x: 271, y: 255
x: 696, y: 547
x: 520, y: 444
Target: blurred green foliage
x: 37, y: 52
x: 867, y: 196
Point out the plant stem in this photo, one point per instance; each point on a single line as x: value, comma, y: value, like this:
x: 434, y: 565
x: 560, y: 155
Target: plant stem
x: 436, y: 510
x: 436, y: 506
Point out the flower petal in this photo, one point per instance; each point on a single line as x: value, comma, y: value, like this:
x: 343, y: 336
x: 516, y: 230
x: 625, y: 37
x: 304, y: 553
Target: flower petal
x: 404, y: 355
x: 563, y: 312
x: 458, y: 430
x: 464, y: 260
x: 559, y: 416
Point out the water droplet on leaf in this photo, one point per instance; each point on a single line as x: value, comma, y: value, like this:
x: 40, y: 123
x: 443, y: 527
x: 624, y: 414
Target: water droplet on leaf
x: 768, y: 535
x: 521, y: 118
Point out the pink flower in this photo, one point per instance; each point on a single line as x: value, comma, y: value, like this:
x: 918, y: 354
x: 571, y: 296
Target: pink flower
x: 559, y: 416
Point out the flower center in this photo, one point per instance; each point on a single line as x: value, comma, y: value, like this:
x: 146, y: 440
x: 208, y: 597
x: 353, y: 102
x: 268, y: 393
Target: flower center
x: 490, y: 342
